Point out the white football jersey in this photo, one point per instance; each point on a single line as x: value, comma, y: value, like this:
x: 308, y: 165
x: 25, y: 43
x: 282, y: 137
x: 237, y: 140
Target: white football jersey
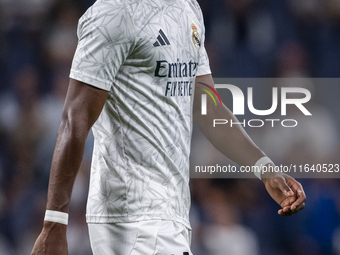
x: 146, y: 53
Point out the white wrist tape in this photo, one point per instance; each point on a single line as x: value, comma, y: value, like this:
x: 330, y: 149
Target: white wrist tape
x: 55, y: 216
x: 260, y: 164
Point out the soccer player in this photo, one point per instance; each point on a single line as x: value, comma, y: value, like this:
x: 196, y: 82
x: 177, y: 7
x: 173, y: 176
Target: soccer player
x: 133, y: 81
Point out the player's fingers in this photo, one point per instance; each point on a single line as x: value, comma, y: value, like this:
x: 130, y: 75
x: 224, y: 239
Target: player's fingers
x: 293, y: 184
x: 285, y: 212
x: 283, y: 186
x: 281, y: 212
x: 300, y: 196
x: 299, y: 208
x: 301, y: 199
x: 287, y: 202
x: 290, y: 212
x: 286, y: 209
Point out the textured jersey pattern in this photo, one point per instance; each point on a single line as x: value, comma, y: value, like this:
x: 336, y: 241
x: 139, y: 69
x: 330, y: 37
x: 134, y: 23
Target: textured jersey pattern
x: 144, y: 53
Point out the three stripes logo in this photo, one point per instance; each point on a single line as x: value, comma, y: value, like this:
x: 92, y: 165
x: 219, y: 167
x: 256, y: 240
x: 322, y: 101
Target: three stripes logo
x: 161, y: 39
x: 204, y: 97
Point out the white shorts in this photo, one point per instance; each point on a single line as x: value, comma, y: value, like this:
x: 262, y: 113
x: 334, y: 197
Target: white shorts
x: 151, y: 237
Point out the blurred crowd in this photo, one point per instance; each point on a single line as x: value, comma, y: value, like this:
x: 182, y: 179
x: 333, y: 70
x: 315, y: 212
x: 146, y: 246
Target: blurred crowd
x: 244, y: 38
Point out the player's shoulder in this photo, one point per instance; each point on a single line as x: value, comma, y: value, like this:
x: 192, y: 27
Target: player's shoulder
x: 196, y: 8
x: 104, y: 11
x: 138, y: 11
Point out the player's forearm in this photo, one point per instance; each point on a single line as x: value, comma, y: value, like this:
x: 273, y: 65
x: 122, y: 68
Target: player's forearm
x: 66, y: 161
x: 232, y: 141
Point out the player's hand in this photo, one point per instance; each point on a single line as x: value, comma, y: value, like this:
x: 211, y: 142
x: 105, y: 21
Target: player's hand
x: 287, y: 192
x: 52, y: 240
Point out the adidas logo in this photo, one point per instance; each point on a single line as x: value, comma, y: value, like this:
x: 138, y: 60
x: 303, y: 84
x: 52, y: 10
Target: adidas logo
x: 161, y: 39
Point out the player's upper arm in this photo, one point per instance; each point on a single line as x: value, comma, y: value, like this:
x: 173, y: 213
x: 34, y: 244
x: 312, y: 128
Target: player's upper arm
x: 83, y: 104
x: 200, y: 80
x: 107, y: 35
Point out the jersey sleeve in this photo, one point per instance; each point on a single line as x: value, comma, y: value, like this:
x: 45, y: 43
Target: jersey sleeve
x: 105, y: 38
x: 203, y: 65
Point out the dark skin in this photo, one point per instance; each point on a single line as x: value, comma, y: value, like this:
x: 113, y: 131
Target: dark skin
x: 82, y: 108
x: 234, y: 143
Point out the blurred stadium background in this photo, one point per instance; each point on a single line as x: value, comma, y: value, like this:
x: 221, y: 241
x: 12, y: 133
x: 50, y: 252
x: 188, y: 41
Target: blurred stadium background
x: 244, y: 38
